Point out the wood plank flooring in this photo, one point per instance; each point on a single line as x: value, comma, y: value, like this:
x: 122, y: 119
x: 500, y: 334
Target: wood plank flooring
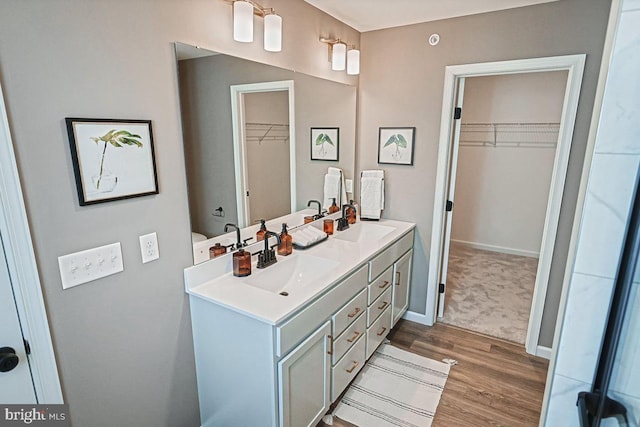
x: 495, y: 383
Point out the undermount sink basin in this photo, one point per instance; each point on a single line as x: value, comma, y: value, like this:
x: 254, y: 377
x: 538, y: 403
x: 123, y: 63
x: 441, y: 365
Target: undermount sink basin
x: 289, y: 274
x: 364, y: 232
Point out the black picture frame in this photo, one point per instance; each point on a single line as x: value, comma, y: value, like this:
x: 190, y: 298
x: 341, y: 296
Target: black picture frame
x: 404, y: 140
x: 321, y: 139
x: 103, y: 174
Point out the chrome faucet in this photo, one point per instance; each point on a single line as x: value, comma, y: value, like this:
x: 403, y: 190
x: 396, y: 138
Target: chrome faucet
x: 343, y: 223
x: 267, y: 256
x: 320, y: 214
x: 240, y: 243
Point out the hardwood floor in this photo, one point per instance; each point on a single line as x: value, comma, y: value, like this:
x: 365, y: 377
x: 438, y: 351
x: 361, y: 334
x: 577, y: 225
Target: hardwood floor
x: 495, y: 383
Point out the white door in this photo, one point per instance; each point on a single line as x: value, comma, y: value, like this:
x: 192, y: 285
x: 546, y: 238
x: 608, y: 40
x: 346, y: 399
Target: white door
x: 453, y: 163
x: 16, y: 385
x: 304, y: 376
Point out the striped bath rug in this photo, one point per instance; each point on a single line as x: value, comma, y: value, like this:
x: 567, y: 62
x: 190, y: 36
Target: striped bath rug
x: 395, y: 388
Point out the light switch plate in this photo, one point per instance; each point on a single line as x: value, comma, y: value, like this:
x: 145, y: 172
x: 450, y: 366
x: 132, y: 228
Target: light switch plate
x: 91, y: 264
x: 149, y: 247
x: 348, y: 185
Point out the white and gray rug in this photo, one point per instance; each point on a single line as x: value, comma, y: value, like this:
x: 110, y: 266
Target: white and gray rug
x: 489, y: 292
x: 395, y: 388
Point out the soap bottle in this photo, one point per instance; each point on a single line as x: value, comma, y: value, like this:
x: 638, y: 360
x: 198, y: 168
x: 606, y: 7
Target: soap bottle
x: 217, y: 250
x: 333, y: 208
x: 286, y: 242
x: 351, y: 213
x: 241, y: 263
x: 263, y: 229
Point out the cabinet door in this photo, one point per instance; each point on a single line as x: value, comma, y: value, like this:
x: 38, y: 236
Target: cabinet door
x: 401, y: 281
x: 303, y: 378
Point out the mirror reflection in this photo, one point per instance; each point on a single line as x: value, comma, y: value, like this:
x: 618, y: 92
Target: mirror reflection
x: 247, y: 140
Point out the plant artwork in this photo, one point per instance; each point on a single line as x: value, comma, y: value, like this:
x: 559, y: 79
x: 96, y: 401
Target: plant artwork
x: 395, y: 145
x: 321, y: 140
x: 325, y: 143
x: 112, y: 159
x: 117, y: 138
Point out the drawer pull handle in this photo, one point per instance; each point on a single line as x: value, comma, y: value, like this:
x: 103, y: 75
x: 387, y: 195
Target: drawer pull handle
x: 330, y: 344
x: 382, y: 331
x: 356, y: 311
x: 383, y: 306
x: 397, y: 278
x: 384, y: 284
x: 356, y: 334
x: 355, y: 365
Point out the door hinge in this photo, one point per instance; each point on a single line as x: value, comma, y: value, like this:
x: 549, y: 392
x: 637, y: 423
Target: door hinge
x: 449, y: 206
x: 441, y: 288
x: 27, y: 347
x: 457, y: 113
x: 247, y: 193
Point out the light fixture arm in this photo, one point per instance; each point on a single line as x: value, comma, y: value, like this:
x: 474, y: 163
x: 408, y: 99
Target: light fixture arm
x: 258, y: 9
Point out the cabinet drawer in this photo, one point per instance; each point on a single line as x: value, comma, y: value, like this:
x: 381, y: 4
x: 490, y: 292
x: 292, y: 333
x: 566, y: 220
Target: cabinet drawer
x: 298, y: 327
x: 349, y: 337
x: 378, y: 331
x: 378, y: 306
x: 347, y: 368
x: 349, y: 313
x: 390, y: 255
x: 380, y: 285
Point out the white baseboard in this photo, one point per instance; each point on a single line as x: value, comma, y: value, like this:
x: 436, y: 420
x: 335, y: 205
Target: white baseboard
x: 494, y: 248
x: 417, y: 317
x: 544, y: 352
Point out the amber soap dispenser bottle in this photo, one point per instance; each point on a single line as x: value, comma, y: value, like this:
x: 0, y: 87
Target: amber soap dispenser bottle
x: 333, y: 208
x: 286, y: 242
x: 263, y: 229
x: 241, y: 263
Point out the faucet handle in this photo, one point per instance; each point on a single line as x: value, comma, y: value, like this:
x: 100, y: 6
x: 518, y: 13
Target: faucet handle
x: 244, y: 242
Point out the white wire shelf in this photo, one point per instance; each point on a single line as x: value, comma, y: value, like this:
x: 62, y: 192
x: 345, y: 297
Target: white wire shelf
x: 533, y: 135
x: 266, y: 132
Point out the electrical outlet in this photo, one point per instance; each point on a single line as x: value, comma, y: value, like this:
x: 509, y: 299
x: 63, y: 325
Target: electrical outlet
x: 149, y: 247
x: 348, y: 185
x: 86, y: 266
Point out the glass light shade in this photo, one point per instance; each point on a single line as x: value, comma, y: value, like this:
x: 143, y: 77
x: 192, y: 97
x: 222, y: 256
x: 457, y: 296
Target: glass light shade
x: 339, y: 57
x: 243, y: 21
x: 353, y: 62
x: 273, y: 33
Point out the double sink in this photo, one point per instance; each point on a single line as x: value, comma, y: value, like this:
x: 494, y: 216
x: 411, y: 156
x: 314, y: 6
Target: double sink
x: 301, y: 270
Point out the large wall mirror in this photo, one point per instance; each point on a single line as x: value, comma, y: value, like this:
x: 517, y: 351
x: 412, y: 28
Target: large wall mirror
x: 247, y: 138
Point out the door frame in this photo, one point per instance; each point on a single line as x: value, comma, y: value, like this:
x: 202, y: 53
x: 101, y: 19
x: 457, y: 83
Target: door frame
x: 574, y: 65
x: 23, y: 271
x: 239, y: 142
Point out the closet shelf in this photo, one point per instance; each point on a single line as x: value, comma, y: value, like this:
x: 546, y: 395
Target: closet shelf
x: 534, y: 135
x: 266, y: 132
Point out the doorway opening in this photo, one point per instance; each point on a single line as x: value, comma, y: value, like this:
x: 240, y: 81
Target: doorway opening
x: 502, y: 175
x: 570, y: 68
x: 264, y: 150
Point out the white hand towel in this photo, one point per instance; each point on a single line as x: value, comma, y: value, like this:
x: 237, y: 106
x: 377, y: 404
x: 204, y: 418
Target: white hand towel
x: 376, y: 174
x: 334, y: 187
x: 371, y: 197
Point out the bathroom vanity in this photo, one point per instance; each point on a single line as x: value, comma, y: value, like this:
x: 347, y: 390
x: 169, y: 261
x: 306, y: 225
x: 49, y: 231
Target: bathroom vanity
x: 276, y: 348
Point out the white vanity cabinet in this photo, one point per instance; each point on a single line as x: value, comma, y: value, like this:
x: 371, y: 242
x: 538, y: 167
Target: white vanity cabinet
x: 286, y: 373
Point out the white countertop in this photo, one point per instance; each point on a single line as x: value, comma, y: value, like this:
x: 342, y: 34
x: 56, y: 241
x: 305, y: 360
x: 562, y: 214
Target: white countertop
x: 213, y: 281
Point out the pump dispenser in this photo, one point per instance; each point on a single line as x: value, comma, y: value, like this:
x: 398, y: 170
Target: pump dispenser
x: 263, y: 229
x: 217, y: 250
x: 351, y: 213
x: 286, y: 242
x: 241, y: 263
x: 333, y: 208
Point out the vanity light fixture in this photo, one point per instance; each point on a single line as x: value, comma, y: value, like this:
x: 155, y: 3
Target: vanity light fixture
x: 353, y: 62
x: 341, y: 58
x: 243, y: 11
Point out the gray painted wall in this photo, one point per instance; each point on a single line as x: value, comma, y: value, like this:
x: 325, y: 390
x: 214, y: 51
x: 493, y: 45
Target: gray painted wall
x: 401, y: 84
x: 206, y: 119
x: 123, y: 343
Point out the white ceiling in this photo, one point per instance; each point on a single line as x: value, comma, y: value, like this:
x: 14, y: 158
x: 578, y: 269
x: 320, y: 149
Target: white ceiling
x: 368, y: 15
